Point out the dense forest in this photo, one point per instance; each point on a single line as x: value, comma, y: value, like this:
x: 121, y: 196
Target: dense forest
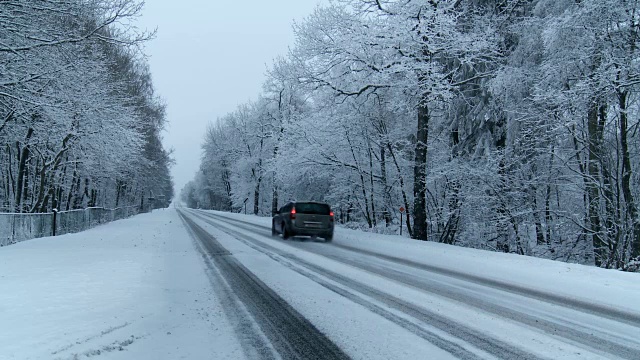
x: 509, y: 125
x: 80, y: 124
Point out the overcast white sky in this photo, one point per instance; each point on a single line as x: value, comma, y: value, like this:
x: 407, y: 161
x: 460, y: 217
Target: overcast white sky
x: 210, y: 56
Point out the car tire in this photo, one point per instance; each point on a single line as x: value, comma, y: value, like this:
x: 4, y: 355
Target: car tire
x: 329, y: 238
x: 273, y: 229
x: 285, y: 233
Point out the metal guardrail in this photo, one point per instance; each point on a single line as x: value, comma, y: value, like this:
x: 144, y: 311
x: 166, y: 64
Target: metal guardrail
x: 19, y: 227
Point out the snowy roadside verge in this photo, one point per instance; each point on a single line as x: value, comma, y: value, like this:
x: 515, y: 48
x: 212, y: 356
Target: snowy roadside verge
x: 131, y: 289
x: 611, y: 288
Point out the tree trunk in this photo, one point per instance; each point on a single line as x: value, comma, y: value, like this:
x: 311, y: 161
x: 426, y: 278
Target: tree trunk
x: 582, y: 166
x: 362, y: 183
x: 371, y: 182
x: 11, y: 185
x: 420, y: 174
x: 626, y: 177
x: 385, y: 184
x: 540, y: 235
x: 85, y: 194
x: 450, y: 231
x: 78, y: 202
x: 256, y: 197
x: 594, y: 149
x: 451, y: 227
x: 547, y: 200
x: 41, y: 191
x: 47, y: 176
x: 94, y: 198
x: 24, y: 154
x: 404, y: 193
x: 274, y: 198
x: 118, y: 191
x: 26, y: 192
x: 57, y: 200
x: 227, y: 186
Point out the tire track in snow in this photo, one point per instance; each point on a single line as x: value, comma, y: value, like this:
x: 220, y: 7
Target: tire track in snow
x: 481, y: 341
x: 90, y: 338
x: 604, y: 311
x: 253, y: 341
x: 585, y: 338
x: 292, y: 335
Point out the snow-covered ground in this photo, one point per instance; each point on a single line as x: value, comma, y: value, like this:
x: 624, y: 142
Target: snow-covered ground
x: 132, y: 289
x: 140, y: 288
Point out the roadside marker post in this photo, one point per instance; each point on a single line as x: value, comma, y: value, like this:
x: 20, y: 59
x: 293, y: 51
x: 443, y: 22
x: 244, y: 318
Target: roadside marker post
x: 401, y: 212
x: 55, y: 216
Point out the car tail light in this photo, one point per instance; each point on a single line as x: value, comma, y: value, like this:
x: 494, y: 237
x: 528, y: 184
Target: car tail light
x: 293, y: 213
x: 331, y: 216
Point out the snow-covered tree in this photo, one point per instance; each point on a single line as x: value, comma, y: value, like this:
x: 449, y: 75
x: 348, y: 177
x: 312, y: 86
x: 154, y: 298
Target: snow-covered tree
x: 80, y: 123
x: 505, y: 125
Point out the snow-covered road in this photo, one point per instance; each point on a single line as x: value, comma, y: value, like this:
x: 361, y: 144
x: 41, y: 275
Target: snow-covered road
x: 200, y: 284
x: 452, y: 305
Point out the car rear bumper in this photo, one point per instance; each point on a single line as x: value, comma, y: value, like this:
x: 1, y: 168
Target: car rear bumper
x: 305, y: 231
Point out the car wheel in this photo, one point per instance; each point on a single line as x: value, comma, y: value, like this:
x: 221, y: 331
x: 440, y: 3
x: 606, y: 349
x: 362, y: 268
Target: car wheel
x: 285, y: 233
x: 273, y: 229
x: 329, y: 238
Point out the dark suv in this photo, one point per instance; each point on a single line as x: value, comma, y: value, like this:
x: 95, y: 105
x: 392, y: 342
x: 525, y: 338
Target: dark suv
x: 303, y: 218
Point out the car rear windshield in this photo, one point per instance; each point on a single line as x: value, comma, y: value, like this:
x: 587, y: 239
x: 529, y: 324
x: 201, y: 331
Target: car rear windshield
x: 311, y: 208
